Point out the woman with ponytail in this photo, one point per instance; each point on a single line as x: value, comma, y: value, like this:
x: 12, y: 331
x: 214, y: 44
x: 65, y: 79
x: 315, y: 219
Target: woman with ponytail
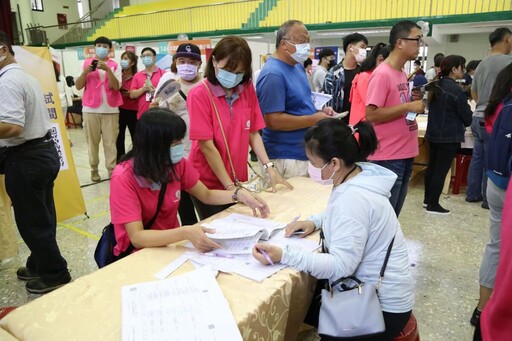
x: 448, y: 116
x: 358, y: 223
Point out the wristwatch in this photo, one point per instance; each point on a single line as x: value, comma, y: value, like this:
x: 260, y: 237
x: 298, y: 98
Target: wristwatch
x: 235, y: 195
x: 268, y: 165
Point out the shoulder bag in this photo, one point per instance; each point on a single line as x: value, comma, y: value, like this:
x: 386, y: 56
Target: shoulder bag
x: 104, y: 253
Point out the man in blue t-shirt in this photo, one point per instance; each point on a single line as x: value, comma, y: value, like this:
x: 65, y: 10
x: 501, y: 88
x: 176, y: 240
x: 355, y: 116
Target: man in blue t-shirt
x: 285, y: 99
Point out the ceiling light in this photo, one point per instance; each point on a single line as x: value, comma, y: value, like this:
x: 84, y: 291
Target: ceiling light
x: 345, y: 33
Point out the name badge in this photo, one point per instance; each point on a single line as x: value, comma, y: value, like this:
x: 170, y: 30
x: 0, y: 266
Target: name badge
x: 411, y: 116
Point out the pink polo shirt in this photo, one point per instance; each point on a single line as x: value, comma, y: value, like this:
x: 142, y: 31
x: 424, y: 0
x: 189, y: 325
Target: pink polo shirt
x: 138, y: 82
x: 133, y: 199
x: 239, y: 119
x: 398, y: 139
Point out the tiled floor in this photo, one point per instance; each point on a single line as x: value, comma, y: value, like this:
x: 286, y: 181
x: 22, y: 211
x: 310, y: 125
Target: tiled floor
x: 445, y: 252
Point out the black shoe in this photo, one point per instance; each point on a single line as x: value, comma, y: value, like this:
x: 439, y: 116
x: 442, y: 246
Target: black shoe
x: 25, y: 274
x: 475, y: 318
x: 474, y: 200
x: 38, y: 286
x: 437, y: 209
x: 485, y: 205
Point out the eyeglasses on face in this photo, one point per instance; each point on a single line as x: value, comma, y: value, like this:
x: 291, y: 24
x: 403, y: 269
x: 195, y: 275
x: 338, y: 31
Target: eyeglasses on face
x: 419, y: 41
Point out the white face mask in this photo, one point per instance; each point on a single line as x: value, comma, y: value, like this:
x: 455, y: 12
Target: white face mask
x: 316, y: 174
x: 361, y: 55
x: 5, y: 55
x: 187, y: 71
x: 301, y: 52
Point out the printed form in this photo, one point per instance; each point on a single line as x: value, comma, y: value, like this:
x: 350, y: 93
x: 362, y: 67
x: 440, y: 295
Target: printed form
x: 186, y: 307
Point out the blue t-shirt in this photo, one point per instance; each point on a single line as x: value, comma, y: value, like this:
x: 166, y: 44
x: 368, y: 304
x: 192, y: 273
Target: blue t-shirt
x: 284, y: 88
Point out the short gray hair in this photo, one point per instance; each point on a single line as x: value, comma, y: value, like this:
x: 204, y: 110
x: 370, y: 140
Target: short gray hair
x: 284, y: 29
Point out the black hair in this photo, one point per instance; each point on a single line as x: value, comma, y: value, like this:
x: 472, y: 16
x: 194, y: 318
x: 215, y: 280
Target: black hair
x: 401, y: 30
x: 333, y: 138
x: 417, y: 62
x: 370, y: 62
x: 353, y: 39
x: 501, y: 90
x: 156, y: 130
x: 438, y: 58
x: 70, y: 81
x: 307, y: 63
x: 56, y: 70
x: 472, y: 65
x: 448, y: 63
x: 5, y: 40
x: 103, y: 40
x: 498, y: 35
x: 325, y: 53
x: 148, y: 49
x: 133, y: 58
x: 282, y: 32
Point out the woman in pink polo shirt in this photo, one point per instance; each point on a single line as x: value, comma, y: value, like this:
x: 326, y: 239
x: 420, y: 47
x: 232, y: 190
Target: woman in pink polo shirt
x: 156, y: 158
x: 227, y: 91
x: 145, y: 81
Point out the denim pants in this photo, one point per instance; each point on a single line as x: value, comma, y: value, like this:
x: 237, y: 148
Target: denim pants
x: 496, y: 197
x: 403, y: 169
x: 477, y: 180
x: 30, y: 172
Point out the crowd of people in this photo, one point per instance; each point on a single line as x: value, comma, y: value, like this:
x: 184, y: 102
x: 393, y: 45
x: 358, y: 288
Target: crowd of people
x: 192, y: 150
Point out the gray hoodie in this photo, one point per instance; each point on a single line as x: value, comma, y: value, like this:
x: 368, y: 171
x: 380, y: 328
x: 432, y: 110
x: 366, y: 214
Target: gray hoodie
x: 358, y: 224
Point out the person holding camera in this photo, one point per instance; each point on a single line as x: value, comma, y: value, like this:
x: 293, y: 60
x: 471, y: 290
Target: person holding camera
x: 449, y: 114
x: 101, y: 80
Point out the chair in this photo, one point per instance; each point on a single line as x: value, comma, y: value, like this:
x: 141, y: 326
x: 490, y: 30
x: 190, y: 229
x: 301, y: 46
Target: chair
x: 76, y: 108
x: 410, y: 331
x: 462, y: 161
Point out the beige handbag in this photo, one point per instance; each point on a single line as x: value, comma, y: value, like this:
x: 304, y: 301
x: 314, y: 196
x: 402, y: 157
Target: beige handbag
x: 254, y: 183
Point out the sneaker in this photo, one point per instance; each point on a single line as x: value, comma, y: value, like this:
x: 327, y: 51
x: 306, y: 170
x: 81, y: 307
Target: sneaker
x: 485, y: 205
x: 38, y: 286
x: 475, y: 318
x: 437, y: 209
x: 95, y: 176
x: 474, y: 200
x: 25, y: 274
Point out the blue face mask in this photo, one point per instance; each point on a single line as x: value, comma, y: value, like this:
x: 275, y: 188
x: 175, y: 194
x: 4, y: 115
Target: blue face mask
x: 101, y: 52
x: 176, y: 152
x: 125, y: 63
x: 229, y: 79
x: 147, y: 61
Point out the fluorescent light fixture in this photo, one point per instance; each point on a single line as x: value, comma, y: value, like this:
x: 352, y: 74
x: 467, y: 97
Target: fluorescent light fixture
x: 253, y: 37
x: 491, y: 24
x: 346, y: 33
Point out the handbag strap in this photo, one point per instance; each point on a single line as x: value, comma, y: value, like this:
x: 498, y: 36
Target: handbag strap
x: 235, y: 179
x: 150, y: 223
x: 382, y: 270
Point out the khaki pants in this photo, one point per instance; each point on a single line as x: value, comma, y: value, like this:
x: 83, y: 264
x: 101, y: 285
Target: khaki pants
x: 288, y: 168
x: 97, y: 126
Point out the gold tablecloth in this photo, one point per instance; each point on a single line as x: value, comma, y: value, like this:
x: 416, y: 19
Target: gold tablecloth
x: 90, y: 307
x: 8, y: 242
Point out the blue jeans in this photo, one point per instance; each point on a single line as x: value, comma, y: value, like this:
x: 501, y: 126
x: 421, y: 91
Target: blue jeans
x: 30, y: 172
x: 403, y: 169
x: 477, y: 180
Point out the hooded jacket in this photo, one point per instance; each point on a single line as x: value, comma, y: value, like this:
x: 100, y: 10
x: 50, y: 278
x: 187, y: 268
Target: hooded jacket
x: 359, y: 224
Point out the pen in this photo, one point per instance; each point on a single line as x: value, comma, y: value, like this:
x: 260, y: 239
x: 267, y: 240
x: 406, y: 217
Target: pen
x: 295, y: 219
x: 220, y: 255
x: 267, y: 257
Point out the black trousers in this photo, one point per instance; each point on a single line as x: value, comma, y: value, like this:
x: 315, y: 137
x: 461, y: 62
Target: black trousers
x: 186, y: 210
x: 127, y: 118
x: 206, y: 211
x: 30, y: 172
x: 439, y: 162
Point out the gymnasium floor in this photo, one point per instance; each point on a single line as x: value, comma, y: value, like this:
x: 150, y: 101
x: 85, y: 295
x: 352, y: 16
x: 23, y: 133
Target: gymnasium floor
x: 445, y: 252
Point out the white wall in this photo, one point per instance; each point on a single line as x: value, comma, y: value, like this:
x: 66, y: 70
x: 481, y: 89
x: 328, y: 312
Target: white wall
x: 470, y: 46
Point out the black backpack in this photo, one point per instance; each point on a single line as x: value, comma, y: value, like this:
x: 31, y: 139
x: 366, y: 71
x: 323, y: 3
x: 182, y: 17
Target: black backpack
x: 499, y: 150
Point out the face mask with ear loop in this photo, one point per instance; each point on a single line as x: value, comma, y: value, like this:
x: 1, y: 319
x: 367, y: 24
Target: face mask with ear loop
x: 5, y: 55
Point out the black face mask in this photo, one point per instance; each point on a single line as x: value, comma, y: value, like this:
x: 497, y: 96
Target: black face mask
x: 331, y: 64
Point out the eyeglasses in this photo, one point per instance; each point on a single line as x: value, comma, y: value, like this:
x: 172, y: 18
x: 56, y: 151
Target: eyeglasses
x: 419, y: 41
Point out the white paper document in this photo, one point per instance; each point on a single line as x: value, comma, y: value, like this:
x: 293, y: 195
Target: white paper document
x: 186, y: 307
x: 171, y: 267
x: 320, y: 99
x: 238, y: 226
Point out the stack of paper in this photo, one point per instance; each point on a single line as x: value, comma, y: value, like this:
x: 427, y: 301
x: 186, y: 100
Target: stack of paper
x: 187, y: 307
